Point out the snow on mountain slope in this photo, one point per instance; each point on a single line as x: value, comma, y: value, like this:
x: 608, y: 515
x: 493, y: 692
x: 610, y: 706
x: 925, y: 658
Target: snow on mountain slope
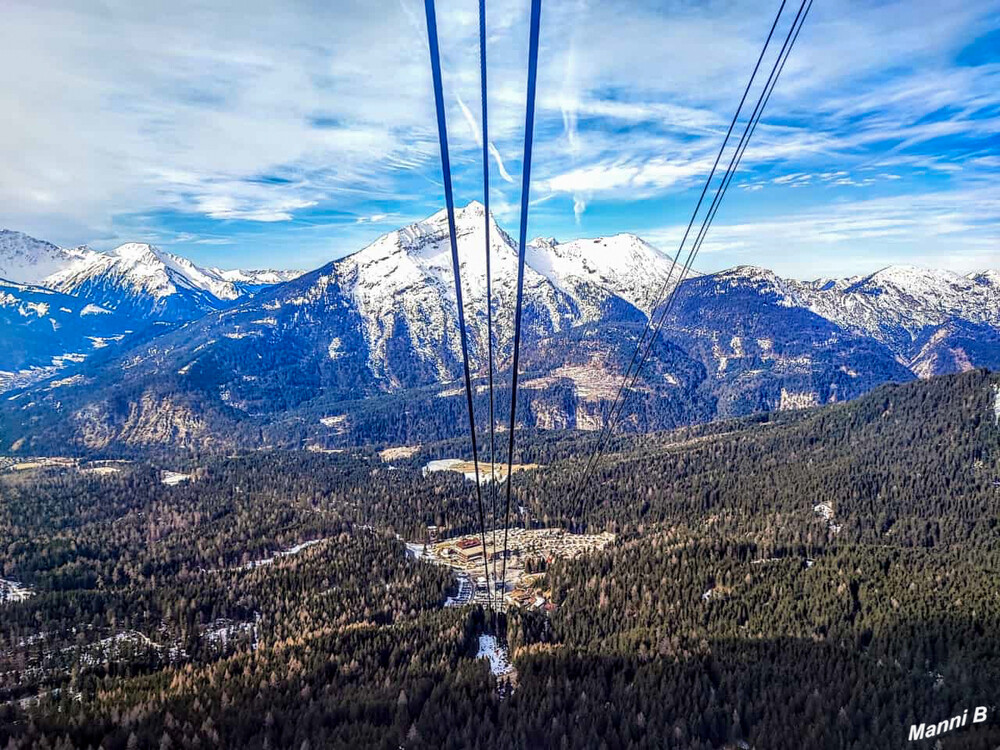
x: 252, y: 280
x: 762, y: 281
x: 623, y: 266
x: 146, y: 282
x: 29, y: 261
x: 933, y: 321
x: 403, y: 288
x: 384, y: 320
x: 902, y: 306
x: 147, y: 268
x: 765, y: 349
x: 44, y: 332
x: 136, y: 278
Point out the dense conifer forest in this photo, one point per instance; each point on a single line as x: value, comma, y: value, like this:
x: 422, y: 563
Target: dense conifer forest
x: 814, y: 579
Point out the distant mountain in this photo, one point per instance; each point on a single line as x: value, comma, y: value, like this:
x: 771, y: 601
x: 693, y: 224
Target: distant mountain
x: 134, y: 287
x: 934, y: 322
x: 904, y: 307
x: 402, y: 289
x: 145, y: 282
x: 366, y: 348
x: 765, y: 350
x: 383, y: 321
x: 44, y: 331
x: 598, y: 272
x: 26, y: 260
x: 137, y: 279
x: 251, y: 281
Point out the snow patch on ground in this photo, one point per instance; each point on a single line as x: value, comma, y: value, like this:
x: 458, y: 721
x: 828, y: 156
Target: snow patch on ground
x: 73, y: 357
x: 172, y: 478
x: 40, y: 309
x: 114, y: 647
x: 242, y: 334
x: 442, y: 464
x: 996, y: 404
x: 419, y: 551
x: 223, y: 631
x: 338, y: 422
x: 490, y: 648
x: 72, y: 380
x: 12, y: 591
x: 801, y: 400
x: 826, y: 511
x: 101, y: 471
x: 468, y: 469
x: 284, y: 553
x: 99, y: 342
x: 465, y: 592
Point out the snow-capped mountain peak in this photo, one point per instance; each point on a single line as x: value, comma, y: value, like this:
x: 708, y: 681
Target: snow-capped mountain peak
x: 140, y: 269
x: 27, y: 260
x: 914, y: 279
x: 102, y: 297
x: 402, y: 285
x: 137, y: 252
x: 588, y: 270
x: 623, y: 265
x: 548, y: 242
x: 987, y: 277
x: 421, y: 252
x: 763, y: 279
x: 136, y: 278
x: 901, y: 305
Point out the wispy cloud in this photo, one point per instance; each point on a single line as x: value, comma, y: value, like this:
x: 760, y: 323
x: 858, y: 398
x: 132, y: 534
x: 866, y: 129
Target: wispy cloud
x: 254, y: 122
x: 477, y: 134
x: 959, y: 230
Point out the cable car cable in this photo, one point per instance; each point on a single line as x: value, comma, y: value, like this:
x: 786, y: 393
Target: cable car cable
x: 733, y: 166
x: 432, y: 40
x: 529, y: 124
x: 673, y: 265
x: 749, y: 129
x: 489, y: 281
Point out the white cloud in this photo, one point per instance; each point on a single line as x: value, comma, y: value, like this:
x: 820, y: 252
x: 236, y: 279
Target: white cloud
x: 958, y: 230
x: 261, y: 111
x: 477, y: 134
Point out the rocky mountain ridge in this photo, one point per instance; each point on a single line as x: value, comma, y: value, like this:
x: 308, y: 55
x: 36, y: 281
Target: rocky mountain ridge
x: 366, y: 348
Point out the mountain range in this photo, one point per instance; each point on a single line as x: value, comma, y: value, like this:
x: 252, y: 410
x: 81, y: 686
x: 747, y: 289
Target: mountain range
x: 129, y: 289
x: 366, y: 348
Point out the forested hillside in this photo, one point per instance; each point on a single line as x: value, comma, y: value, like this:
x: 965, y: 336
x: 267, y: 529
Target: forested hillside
x: 819, y: 579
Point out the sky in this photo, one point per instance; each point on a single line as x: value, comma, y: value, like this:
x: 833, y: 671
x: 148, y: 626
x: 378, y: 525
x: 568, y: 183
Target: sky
x: 286, y: 134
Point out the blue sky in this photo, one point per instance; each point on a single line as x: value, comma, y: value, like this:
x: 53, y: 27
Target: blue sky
x: 286, y: 134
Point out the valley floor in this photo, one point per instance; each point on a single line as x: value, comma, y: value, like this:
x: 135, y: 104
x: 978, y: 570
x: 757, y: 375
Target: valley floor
x: 820, y: 580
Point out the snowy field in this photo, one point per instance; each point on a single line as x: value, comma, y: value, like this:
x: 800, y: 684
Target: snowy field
x: 468, y: 469
x: 172, y: 478
x: 284, y: 553
x: 490, y: 649
x: 12, y: 591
